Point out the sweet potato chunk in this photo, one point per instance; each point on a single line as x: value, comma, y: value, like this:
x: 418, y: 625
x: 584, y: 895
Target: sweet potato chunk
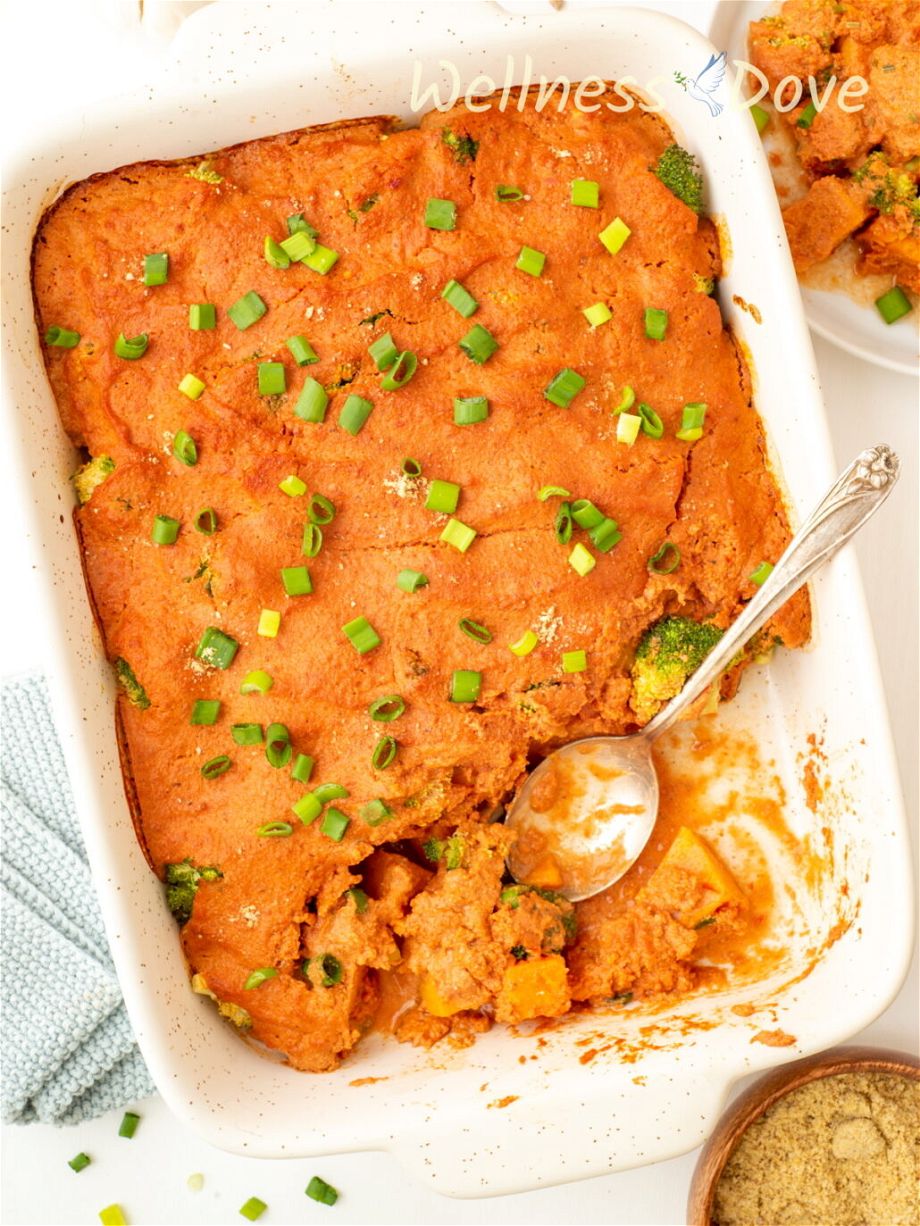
x: 691, y: 882
x: 819, y: 222
x: 892, y: 245
x: 537, y: 987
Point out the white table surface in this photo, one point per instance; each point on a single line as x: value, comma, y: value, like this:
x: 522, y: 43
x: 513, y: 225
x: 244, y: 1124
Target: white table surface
x: 96, y: 51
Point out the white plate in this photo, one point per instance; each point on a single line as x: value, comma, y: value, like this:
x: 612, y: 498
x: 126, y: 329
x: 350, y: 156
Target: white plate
x: 854, y: 326
x: 569, y: 1119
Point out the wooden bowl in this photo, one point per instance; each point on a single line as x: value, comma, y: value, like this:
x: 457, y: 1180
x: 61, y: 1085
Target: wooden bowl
x: 763, y: 1094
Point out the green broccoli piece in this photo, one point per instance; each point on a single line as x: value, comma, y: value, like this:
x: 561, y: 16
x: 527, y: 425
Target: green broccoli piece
x: 182, y: 881
x: 90, y: 476
x: 134, y: 691
x: 703, y: 285
x: 204, y: 173
x: 449, y: 850
x: 511, y: 897
x: 890, y: 188
x: 667, y: 654
x: 464, y: 148
x: 679, y: 172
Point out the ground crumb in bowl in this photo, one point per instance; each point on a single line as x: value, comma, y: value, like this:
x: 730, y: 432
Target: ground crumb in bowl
x: 843, y: 1149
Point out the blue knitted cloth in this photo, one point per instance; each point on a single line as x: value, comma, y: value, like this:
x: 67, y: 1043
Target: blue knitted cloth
x: 67, y: 1047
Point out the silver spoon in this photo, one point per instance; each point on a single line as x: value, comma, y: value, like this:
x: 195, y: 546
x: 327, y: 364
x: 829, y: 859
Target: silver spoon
x: 592, y: 805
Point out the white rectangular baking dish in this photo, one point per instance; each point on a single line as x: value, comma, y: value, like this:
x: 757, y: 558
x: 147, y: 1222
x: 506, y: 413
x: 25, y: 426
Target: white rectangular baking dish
x: 568, y: 1119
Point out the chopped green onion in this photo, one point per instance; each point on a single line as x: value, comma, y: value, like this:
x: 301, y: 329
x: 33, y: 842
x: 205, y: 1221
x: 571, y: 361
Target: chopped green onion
x: 574, y: 661
x: 411, y: 580
x: 247, y: 310
x: 296, y: 581
x: 184, y: 449
x: 131, y: 347
x: 359, y: 898
x: 202, y: 316
x: 665, y: 560
x: 525, y: 644
x: 355, y: 412
x: 330, y: 965
x: 165, y: 530
x: 297, y: 246
x: 651, y: 423
x: 113, y: 1215
x: 531, y: 261
x: 319, y: 1190
x: 479, y: 344
x: 628, y: 427
x: 275, y: 254
x: 807, y: 117
x: 308, y: 808
x: 375, y: 812
x: 598, y: 314
x: 258, y: 977
x: 246, y: 734
x: 384, y: 753
x: 465, y: 685
x: 656, y: 323
x: 440, y: 214
x: 63, y: 338
x: 582, y: 560
x: 762, y: 573
x: 277, y: 745
x: 443, y: 496
x: 460, y: 299
x: 312, y: 401
x: 400, y: 372
x: 79, y: 1162
x: 505, y: 193
x: 321, y: 510
x: 275, y: 830
x: 302, y: 769
x: 216, y: 648
x: 458, y: 534
x: 205, y: 711
x: 893, y: 305
x: 475, y: 631
x: 383, y: 351
x: 296, y: 224
x: 564, y: 387
x: 760, y: 116
x: 321, y: 259
x: 627, y: 400
x: 334, y: 825
x: 191, y: 386
x: 216, y: 767
x: 156, y: 268
x: 330, y: 791
x: 586, y: 193
x: 387, y: 708
x: 412, y: 468
x: 292, y: 486
x: 129, y: 1123
x: 691, y: 425
x: 605, y: 535
x: 272, y: 378
x: 562, y: 525
x: 312, y: 540
x: 468, y: 410
x: 302, y: 351
x: 362, y: 635
x: 256, y: 682
x: 269, y: 623
x: 552, y: 491
x: 615, y: 235
x: 586, y: 514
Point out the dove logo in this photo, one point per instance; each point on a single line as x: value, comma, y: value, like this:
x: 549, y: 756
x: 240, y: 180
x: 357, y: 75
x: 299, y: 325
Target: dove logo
x: 703, y: 86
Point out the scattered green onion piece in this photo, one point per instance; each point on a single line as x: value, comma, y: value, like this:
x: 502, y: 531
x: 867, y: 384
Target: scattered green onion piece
x: 586, y: 514
x: 383, y: 351
x: 113, y: 1215
x: 465, y: 685
x: 665, y: 560
x: 330, y: 965
x: 312, y: 540
x: 274, y: 253
x: 247, y: 310
x: 308, y: 808
x: 387, y: 708
x: 525, y: 644
x: 312, y: 401
x: 562, y: 525
x: 479, y: 344
x: 191, y: 386
x: 586, y: 193
x: 468, y: 410
x: 296, y: 581
x: 359, y: 898
x: 440, y: 214
x: 275, y: 830
x: 400, y: 372
x: 531, y: 261
x: 628, y: 427
x: 552, y: 491
x: 627, y: 400
x: 615, y: 235
x: 79, y: 1162
x: 269, y: 623
x: 247, y: 734
x: 205, y: 521
x: 411, y: 580
x: 412, y: 468
x: 760, y: 116
x: 355, y: 412
x: 651, y: 423
x: 272, y: 378
x: 257, y: 977
x: 321, y: 259
x: 256, y: 682
x: 216, y: 648
x: 375, y: 812
x: 195, y: 1182
x: 574, y: 661
x: 691, y: 425
x: 330, y: 791
x: 297, y: 224
x: 202, y: 316
x: 184, y: 448
x: 582, y: 560
x: 216, y: 767
x: 128, y: 1126
x: 64, y: 338
x: 384, y: 753
x: 893, y: 305
x: 564, y: 387
x: 131, y: 347
x: 334, y: 825
x: 319, y: 1190
x: 458, y: 534
x: 807, y: 117
x: 762, y: 573
x: 292, y: 486
x: 605, y: 535
x: 598, y: 314
x: 505, y: 193
x: 302, y: 769
x: 478, y: 633
x: 321, y: 510
x: 205, y: 711
x: 165, y: 530
x: 277, y: 745
x: 156, y: 268
x: 362, y: 635
x: 460, y: 299
x: 297, y: 246
x: 301, y: 350
x: 656, y: 323
x: 443, y: 496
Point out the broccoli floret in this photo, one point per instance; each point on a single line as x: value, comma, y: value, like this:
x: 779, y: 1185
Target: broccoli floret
x: 678, y: 171
x: 464, y: 148
x: 449, y: 850
x: 890, y: 188
x: 182, y: 881
x: 204, y: 173
x: 667, y: 654
x: 704, y: 285
x: 134, y: 691
x: 90, y: 476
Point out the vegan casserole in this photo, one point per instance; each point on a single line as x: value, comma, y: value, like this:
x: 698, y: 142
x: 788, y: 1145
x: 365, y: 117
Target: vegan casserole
x: 409, y: 456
